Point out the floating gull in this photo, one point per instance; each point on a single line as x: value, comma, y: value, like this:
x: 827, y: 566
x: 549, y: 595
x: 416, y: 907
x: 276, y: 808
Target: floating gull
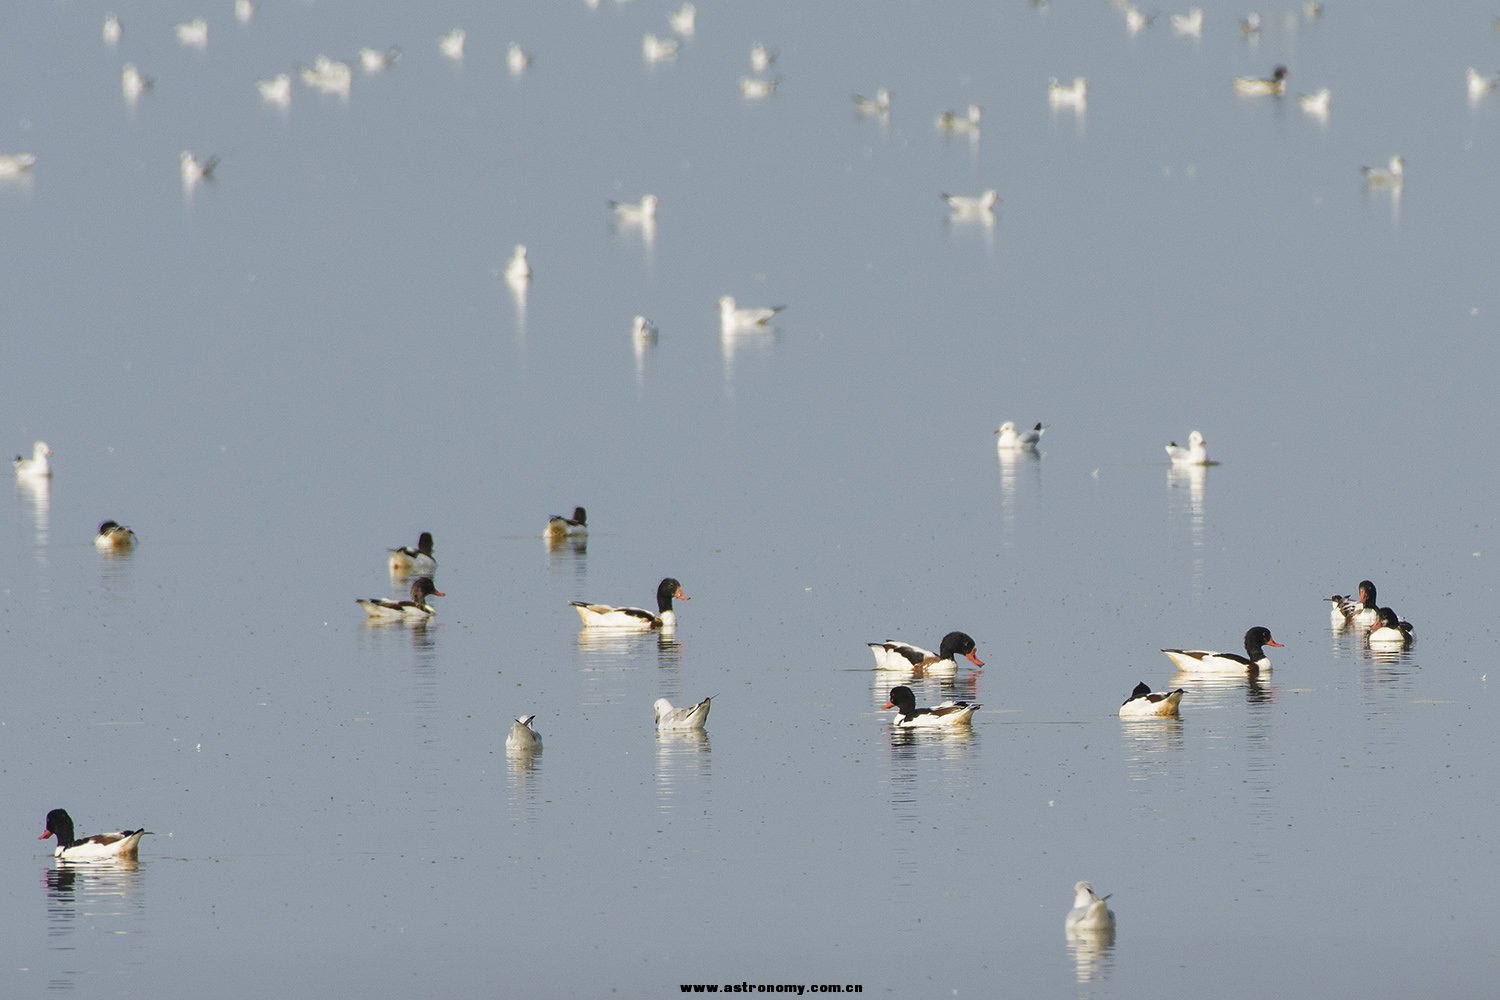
x: 16, y: 164
x: 1089, y: 914
x: 643, y: 330
x: 112, y: 30
x: 376, y: 60
x: 952, y: 121
x: 193, y: 34
x: 519, y: 268
x: 656, y: 50
x: 277, y: 90
x: 1009, y: 439
x: 691, y: 717
x: 755, y: 89
x: 1315, y: 105
x: 452, y: 44
x: 973, y: 207
x: 328, y: 76
x: 732, y: 317
x: 522, y: 736
x: 874, y: 107
x: 1196, y: 452
x: 1074, y: 95
x: 133, y: 83
x: 1190, y: 24
x: 1390, y: 176
x: 684, y: 20
x: 1255, y: 86
x: 517, y: 59
x: 1250, y: 26
x: 1479, y: 84
x: 761, y: 58
x: 195, y: 170
x: 1137, y: 20
x: 38, y: 466
x: 244, y: 10
x: 631, y: 214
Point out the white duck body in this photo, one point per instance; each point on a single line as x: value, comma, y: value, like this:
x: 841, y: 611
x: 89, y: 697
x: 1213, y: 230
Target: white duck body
x: 559, y: 527
x: 949, y: 714
x: 607, y: 616
x: 895, y: 655
x: 99, y: 847
x: 1089, y: 914
x: 1196, y: 452
x: 1391, y: 632
x: 38, y: 466
x: 113, y: 537
x: 415, y: 610
x: 690, y: 717
x: 1360, y: 610
x: 1204, y: 661
x: 1007, y: 438
x: 1143, y: 703
x: 523, y: 736
x: 418, y: 561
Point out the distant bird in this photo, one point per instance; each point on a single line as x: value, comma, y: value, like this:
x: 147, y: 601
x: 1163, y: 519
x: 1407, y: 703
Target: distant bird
x: 896, y: 655
x: 1196, y: 452
x: 1355, y: 609
x: 328, y: 75
x: 755, y: 89
x: 113, y: 537
x: 1391, y: 630
x: 244, y: 11
x: 1074, y: 95
x: 378, y: 60
x: 1315, y: 105
x: 1207, y: 661
x: 608, y: 616
x: 559, y: 527
x: 909, y: 716
x: 1089, y: 914
x: 1250, y: 26
x: 952, y: 121
x: 642, y: 329
x: 193, y: 34
x: 973, y: 207
x: 1255, y: 86
x: 1311, y: 10
x: 38, y: 466
x: 1479, y: 84
x: 1189, y: 24
x: 420, y: 560
x: 415, y: 610
x: 1390, y: 176
x: 1137, y: 20
x: 689, y: 717
x: 112, y: 29
x: 16, y: 164
x: 519, y: 267
x: 655, y: 50
x: 195, y: 170
x: 523, y: 736
x: 874, y: 107
x: 517, y: 59
x: 101, y: 846
x: 133, y: 83
x: 277, y: 90
x: 633, y: 214
x: 452, y: 44
x: 1007, y: 438
x: 761, y: 58
x: 733, y: 317
x: 684, y: 20
x: 1144, y: 704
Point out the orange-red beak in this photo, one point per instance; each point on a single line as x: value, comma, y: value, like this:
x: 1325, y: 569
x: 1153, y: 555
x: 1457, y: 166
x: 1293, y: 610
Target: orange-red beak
x: 974, y: 658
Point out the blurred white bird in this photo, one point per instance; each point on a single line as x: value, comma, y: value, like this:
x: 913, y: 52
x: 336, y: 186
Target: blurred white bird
x: 452, y: 44
x: 328, y: 75
x: 376, y: 60
x: 517, y: 59
x: 1315, y: 105
x: 519, y: 268
x: 193, y: 34
x: 1089, y: 913
x: 655, y: 50
x: 277, y: 90
x: 874, y: 107
x: 684, y: 20
x: 244, y: 10
x: 952, y: 121
x: 1479, y: 84
x: 133, y: 83
x: 761, y: 58
x: 16, y: 164
x: 732, y: 317
x: 642, y: 329
x: 973, y: 207
x: 754, y: 89
x: 1389, y: 176
x: 1137, y: 20
x: 1255, y: 86
x: 1074, y: 95
x: 1190, y: 24
x: 112, y: 29
x: 632, y: 214
x: 195, y: 170
x: 1007, y: 438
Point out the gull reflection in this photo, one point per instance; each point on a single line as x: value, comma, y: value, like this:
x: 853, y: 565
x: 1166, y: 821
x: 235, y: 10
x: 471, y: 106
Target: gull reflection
x: 1093, y: 953
x: 1185, y: 491
x: 35, y: 494
x: 683, y: 763
x: 1013, y: 463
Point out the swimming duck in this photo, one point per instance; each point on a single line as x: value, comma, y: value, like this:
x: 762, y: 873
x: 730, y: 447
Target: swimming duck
x: 1009, y: 439
x: 1351, y: 610
x: 1143, y: 704
x: 420, y: 560
x: 733, y: 317
x: 118, y: 844
x: 1390, y: 630
x: 415, y: 610
x: 691, y: 717
x: 1207, y: 661
x: 1089, y: 912
x: 114, y: 537
x: 908, y: 715
x: 894, y: 655
x: 38, y: 465
x: 1254, y: 86
x: 1196, y: 452
x: 522, y: 736
x: 634, y: 619
x: 559, y: 527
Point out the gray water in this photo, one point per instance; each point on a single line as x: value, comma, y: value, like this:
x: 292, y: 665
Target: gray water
x: 311, y: 358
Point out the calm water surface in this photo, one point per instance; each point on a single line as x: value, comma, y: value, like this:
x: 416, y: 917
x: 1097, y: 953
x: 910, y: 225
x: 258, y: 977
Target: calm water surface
x: 311, y: 359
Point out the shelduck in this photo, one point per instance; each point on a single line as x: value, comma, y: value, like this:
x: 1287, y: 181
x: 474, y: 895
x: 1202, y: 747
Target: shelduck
x: 909, y: 716
x: 420, y: 560
x: 895, y: 655
x: 1351, y: 610
x: 113, y: 537
x: 607, y: 616
x: 1145, y: 704
x: 99, y: 847
x: 559, y: 527
x: 415, y: 610
x: 1207, y: 661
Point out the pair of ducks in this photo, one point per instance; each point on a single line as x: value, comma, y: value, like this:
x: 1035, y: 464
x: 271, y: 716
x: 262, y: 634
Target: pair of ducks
x: 1385, y: 627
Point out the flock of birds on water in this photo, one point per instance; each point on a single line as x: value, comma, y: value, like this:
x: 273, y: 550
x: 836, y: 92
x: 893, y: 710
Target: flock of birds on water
x: 1382, y: 627
x: 1090, y: 915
